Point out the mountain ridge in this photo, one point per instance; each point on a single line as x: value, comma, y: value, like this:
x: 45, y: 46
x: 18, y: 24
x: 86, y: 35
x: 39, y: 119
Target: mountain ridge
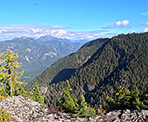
x: 122, y: 60
x: 38, y: 54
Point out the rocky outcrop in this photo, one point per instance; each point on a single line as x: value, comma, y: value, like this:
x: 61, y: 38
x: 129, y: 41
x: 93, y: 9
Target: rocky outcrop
x: 23, y: 109
x: 26, y: 110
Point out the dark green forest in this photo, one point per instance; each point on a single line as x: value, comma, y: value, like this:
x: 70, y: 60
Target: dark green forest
x: 121, y: 61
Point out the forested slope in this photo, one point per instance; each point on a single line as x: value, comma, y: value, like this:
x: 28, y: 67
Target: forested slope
x: 123, y: 60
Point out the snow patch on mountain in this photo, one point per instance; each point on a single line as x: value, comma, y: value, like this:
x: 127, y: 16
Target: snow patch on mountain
x: 28, y: 50
x: 27, y: 59
x: 49, y: 54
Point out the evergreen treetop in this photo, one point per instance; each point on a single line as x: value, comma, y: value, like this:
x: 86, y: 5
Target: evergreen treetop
x: 9, y: 76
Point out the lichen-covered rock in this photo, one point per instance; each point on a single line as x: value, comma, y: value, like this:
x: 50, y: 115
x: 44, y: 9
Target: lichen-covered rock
x: 23, y: 109
x: 26, y: 110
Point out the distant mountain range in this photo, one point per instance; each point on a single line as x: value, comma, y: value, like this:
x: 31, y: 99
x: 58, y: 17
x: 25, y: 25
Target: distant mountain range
x: 65, y: 67
x: 38, y: 54
x: 121, y: 60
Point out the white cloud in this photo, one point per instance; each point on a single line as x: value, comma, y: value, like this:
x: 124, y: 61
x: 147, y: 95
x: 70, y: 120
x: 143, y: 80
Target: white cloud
x: 145, y: 30
x: 133, y: 31
x: 145, y: 13
x: 31, y: 31
x: 146, y: 23
x: 58, y: 31
x: 36, y: 30
x: 3, y: 31
x: 118, y: 24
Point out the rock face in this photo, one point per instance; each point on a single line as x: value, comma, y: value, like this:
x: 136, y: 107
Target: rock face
x: 26, y: 110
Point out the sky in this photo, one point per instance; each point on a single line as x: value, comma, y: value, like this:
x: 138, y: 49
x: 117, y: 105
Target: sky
x: 72, y: 19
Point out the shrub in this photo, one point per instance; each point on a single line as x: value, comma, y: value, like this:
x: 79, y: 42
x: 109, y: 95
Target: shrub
x: 4, y: 116
x: 124, y: 99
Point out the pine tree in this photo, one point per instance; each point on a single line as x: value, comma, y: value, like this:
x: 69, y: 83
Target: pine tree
x: 9, y: 75
x: 135, y: 99
x: 84, y: 109
x: 126, y: 100
x: 144, y: 99
x: 68, y: 102
x: 36, y: 94
x: 21, y: 91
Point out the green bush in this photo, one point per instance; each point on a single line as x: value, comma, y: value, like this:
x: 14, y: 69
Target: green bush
x: 124, y: 99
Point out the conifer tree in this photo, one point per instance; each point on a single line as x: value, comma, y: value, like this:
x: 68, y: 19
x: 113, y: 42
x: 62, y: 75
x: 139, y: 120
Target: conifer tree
x: 68, y: 102
x: 135, y: 99
x: 9, y: 76
x: 144, y: 99
x: 84, y: 109
x: 36, y: 94
x: 22, y: 92
x: 126, y: 100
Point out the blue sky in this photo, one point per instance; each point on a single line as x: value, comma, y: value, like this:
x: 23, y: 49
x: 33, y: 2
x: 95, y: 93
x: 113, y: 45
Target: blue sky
x: 72, y: 19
